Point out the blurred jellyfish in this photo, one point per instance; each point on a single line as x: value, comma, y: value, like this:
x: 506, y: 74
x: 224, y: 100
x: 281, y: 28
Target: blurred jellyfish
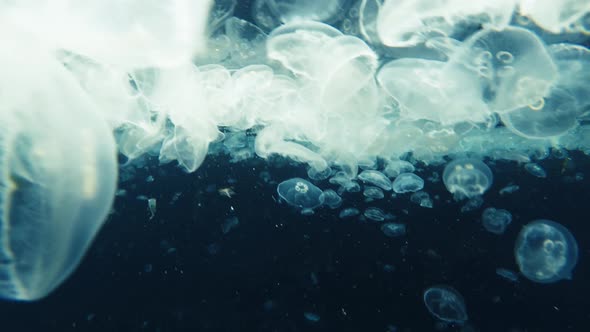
x: 535, y: 170
x: 229, y: 224
x: 331, y: 199
x: 392, y: 229
x: 407, y: 182
x: 396, y: 167
x: 467, y: 178
x: 496, y: 220
x: 472, y: 204
x: 311, y: 317
x: 446, y: 304
x: 545, y: 251
x: 300, y: 193
x: 375, y: 178
x: 58, y: 169
x: 509, y: 189
x: 422, y: 198
x: 373, y: 192
x: 348, y: 213
x: 374, y: 213
x: 152, y: 207
x: 318, y: 175
x: 507, y: 274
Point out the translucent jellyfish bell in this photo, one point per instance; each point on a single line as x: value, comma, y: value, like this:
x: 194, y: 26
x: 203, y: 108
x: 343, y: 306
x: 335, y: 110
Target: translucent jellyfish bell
x: 545, y: 251
x: 467, y: 178
x: 403, y: 23
x: 295, y: 45
x: 446, y: 304
x: 553, y: 116
x: 496, y: 220
x: 431, y: 90
x: 59, y: 170
x: 512, y: 64
x: 300, y: 193
x: 556, y: 113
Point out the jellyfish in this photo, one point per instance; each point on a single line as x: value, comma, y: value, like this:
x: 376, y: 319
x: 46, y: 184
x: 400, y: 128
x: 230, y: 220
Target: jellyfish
x: 467, y: 178
x: 375, y: 178
x: 331, y: 199
x: 392, y: 229
x: 372, y: 192
x: 152, y: 207
x: 422, y: 198
x: 536, y: 170
x: 374, y: 213
x: 301, y: 194
x: 407, y: 182
x: 513, y: 66
x: 59, y: 172
x: 496, y: 220
x: 348, y: 213
x: 445, y: 303
x: 545, y: 251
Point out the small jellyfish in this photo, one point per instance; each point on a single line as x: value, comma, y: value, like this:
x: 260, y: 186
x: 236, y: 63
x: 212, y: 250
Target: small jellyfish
x: 472, y: 204
x: 331, y: 199
x: 467, y: 178
x: 375, y: 214
x: 545, y: 251
x: 392, y: 229
x: 349, y: 213
x: 373, y: 192
x: 318, y: 175
x: 509, y: 189
x: 535, y: 170
x: 397, y: 167
x: 152, y: 207
x: 407, y: 182
x: 446, y: 304
x: 496, y: 220
x: 312, y: 317
x: 229, y: 224
x: 507, y: 274
x: 375, y: 178
x: 300, y: 193
x: 422, y: 198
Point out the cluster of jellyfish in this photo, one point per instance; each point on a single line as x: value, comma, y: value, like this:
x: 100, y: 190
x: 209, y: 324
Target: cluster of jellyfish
x: 339, y: 85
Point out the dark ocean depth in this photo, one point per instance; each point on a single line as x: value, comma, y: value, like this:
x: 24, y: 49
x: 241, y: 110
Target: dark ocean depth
x: 180, y: 272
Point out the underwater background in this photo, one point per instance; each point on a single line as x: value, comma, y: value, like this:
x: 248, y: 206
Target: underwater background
x: 221, y: 251
x: 180, y: 272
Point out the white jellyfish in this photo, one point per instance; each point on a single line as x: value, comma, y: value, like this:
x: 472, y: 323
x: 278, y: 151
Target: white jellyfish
x: 59, y: 170
x: 372, y: 192
x: 445, y: 303
x: 375, y: 178
x: 407, y: 182
x: 467, y: 178
x: 374, y: 213
x: 331, y: 199
x: 301, y: 194
x: 393, y: 229
x: 496, y: 220
x: 545, y: 251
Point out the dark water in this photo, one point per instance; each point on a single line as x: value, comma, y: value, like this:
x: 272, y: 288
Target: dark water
x: 179, y: 272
